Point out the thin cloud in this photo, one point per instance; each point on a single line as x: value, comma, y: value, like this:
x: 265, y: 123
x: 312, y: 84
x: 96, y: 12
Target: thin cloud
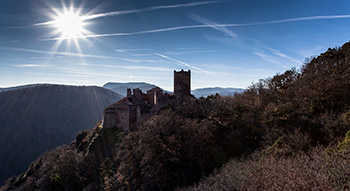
x: 190, y: 52
x: 89, y: 74
x: 180, y: 63
x: 59, y: 53
x: 42, y: 24
x: 208, y: 26
x: 302, y: 19
x: 9, y: 42
x: 140, y: 61
x: 213, y: 25
x: 130, y: 67
x: 47, y: 80
x: 270, y: 58
x: 226, y: 31
x: 131, y: 33
x: 311, y: 51
x: 326, y: 17
x: 82, y: 55
x: 131, y: 52
x: 282, y: 55
x: 30, y: 65
x: 117, y: 13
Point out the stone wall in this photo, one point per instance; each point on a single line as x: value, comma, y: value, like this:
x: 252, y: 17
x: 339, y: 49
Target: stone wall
x: 109, y: 118
x: 122, y: 117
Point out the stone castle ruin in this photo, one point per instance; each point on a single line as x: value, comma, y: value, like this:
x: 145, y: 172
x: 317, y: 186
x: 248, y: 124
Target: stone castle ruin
x: 182, y: 83
x: 137, y: 106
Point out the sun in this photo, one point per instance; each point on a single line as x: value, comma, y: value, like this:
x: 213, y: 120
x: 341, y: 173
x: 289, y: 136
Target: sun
x: 70, y: 24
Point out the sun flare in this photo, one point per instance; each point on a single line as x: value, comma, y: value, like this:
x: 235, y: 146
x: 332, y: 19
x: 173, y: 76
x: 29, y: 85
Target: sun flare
x: 70, y: 24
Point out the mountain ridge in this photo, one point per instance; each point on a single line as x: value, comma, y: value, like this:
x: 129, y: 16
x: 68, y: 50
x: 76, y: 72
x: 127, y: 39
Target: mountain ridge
x: 204, y: 92
x: 121, y: 87
x: 22, y: 86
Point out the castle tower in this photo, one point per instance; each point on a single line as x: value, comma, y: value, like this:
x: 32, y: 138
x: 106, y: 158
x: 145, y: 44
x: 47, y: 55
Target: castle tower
x: 182, y: 83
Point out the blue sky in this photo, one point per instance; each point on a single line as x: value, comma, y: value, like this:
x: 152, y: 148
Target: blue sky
x: 227, y: 43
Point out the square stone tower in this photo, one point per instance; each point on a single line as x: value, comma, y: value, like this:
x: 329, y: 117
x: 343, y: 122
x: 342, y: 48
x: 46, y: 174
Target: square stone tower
x: 182, y: 83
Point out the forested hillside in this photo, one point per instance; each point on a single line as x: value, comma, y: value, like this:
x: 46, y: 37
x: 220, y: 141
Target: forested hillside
x: 287, y: 132
x: 303, y: 118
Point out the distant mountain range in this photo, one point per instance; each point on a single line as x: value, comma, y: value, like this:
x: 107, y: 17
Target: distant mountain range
x: 37, y: 118
x: 204, y: 92
x: 121, y: 88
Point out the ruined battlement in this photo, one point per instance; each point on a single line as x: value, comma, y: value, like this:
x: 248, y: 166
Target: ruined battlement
x: 137, y: 106
x: 133, y: 109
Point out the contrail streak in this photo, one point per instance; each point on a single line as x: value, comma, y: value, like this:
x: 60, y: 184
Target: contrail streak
x: 228, y: 32
x: 179, y: 62
x: 116, y: 13
x: 131, y: 33
x: 298, y: 19
x: 212, y: 25
x: 208, y: 26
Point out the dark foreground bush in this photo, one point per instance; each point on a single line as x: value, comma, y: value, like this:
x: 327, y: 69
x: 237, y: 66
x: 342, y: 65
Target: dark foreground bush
x: 318, y: 169
x: 166, y: 152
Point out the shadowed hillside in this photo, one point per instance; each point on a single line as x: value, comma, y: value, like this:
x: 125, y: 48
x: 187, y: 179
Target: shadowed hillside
x: 36, y: 119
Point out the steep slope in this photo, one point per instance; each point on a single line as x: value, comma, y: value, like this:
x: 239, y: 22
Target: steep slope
x: 39, y: 118
x: 204, y: 92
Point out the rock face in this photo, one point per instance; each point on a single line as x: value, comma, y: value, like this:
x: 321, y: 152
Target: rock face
x: 39, y: 118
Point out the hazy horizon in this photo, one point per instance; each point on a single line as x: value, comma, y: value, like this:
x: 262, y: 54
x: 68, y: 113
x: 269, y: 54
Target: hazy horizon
x: 170, y: 90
